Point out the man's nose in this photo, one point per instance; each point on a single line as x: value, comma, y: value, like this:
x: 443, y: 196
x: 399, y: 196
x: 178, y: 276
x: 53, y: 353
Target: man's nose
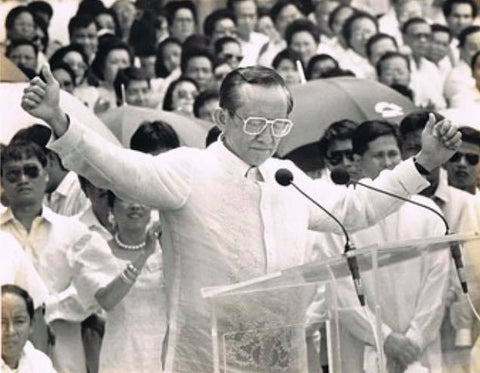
x: 266, y: 135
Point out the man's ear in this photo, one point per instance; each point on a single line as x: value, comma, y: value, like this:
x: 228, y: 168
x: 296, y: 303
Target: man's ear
x: 220, y: 116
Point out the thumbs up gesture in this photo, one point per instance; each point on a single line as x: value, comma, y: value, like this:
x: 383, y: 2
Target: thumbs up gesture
x: 440, y: 140
x: 41, y: 99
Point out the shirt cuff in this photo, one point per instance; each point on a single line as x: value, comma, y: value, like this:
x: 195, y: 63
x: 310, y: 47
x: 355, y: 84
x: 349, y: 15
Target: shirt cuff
x: 415, y: 337
x: 410, y: 178
x: 64, y: 144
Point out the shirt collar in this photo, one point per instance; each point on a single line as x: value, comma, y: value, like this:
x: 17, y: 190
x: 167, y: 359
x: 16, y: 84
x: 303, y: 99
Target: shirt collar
x: 46, y: 214
x: 234, y: 165
x: 66, y: 184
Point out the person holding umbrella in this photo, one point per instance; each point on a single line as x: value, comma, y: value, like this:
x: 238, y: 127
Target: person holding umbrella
x: 225, y: 218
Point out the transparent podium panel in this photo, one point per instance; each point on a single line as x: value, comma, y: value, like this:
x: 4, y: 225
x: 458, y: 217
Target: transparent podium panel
x: 306, y: 316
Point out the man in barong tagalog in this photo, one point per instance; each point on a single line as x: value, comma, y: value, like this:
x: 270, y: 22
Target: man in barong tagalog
x: 224, y: 217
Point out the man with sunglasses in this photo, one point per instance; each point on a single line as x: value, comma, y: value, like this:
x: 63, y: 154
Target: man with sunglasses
x: 50, y: 241
x: 225, y: 218
x: 335, y: 147
x: 463, y: 167
x: 462, y: 213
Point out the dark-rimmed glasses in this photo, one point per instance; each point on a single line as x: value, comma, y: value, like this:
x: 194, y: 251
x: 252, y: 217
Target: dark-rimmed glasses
x: 472, y: 158
x: 336, y: 157
x: 13, y: 175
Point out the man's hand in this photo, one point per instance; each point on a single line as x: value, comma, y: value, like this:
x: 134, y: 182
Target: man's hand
x: 440, y: 141
x: 401, y: 349
x: 41, y: 99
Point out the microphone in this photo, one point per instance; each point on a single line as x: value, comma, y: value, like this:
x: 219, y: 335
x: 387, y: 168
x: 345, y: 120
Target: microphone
x: 285, y: 178
x: 342, y: 177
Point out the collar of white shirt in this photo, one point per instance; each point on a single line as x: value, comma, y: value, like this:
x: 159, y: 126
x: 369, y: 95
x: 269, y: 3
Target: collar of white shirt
x: 8, y: 215
x: 234, y: 165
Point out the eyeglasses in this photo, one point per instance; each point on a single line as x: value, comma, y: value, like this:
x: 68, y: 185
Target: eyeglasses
x: 253, y: 126
x: 336, y: 157
x: 421, y: 35
x: 14, y: 175
x: 472, y: 159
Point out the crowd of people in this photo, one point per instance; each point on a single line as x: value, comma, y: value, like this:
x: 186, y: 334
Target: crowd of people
x: 105, y: 250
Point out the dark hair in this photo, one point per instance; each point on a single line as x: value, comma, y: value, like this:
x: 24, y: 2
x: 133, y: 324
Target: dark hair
x: 466, y: 32
x: 319, y: 58
x: 211, y: 21
x: 212, y: 135
x: 286, y: 54
x: 470, y: 135
x: 104, y: 49
x: 335, y: 73
x: 278, y: 7
x: 45, y: 39
x: 173, y: 6
x: 255, y: 75
x: 160, y: 68
x: 447, y: 6
x: 90, y: 8
x: 403, y: 90
x: 112, y: 14
x: 436, y: 27
x: 66, y: 67
x: 14, y: 13
x: 370, y: 130
x: 37, y: 133
x: 18, y: 43
x: 39, y: 6
x: 195, y: 42
x: 218, y: 45
x: 21, y: 149
x: 168, y: 99
x: 377, y: 37
x: 142, y: 36
x: 474, y: 60
x: 125, y: 76
x: 348, y: 25
x: 387, y: 56
x: 60, y: 53
x: 412, y: 21
x: 416, y: 121
x: 202, y: 98
x: 334, y: 13
x: 337, y: 131
x: 188, y: 54
x: 300, y: 25
x: 152, y: 136
x: 17, y: 290
x: 78, y: 22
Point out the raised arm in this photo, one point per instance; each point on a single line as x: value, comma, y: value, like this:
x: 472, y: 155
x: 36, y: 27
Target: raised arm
x: 162, y: 181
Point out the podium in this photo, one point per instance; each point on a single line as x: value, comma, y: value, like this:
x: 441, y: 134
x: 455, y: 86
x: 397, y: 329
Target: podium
x: 260, y: 325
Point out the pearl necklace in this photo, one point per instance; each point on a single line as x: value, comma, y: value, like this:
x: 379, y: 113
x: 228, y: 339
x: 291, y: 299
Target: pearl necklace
x: 128, y: 247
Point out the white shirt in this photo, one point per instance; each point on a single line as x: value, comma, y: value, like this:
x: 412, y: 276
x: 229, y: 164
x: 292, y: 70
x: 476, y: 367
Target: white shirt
x: 359, y: 65
x: 16, y: 268
x: 31, y: 361
x: 68, y: 199
x: 251, y: 48
x: 51, y: 245
x: 88, y: 218
x: 459, y: 79
x: 411, y: 292
x: 426, y: 83
x: 220, y: 227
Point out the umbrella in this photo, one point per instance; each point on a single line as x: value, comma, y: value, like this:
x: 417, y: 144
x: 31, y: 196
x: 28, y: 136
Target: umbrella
x: 124, y: 121
x: 9, y: 72
x: 321, y: 102
x: 16, y: 118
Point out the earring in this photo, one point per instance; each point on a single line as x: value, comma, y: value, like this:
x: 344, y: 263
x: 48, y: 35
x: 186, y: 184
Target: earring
x: 111, y: 220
